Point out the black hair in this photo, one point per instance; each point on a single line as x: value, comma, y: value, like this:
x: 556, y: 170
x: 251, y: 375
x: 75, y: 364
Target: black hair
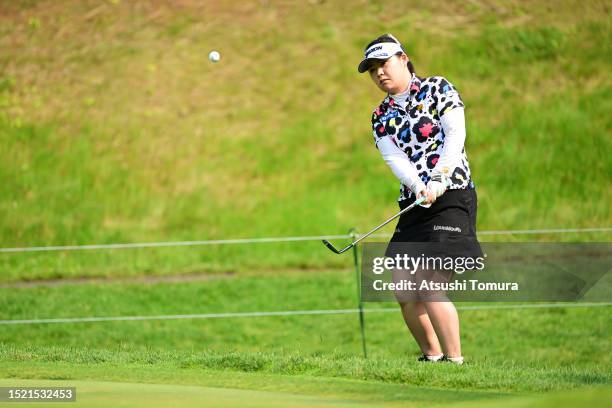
x: 389, y: 38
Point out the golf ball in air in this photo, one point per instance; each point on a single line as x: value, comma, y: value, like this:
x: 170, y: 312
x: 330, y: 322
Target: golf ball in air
x: 214, y: 56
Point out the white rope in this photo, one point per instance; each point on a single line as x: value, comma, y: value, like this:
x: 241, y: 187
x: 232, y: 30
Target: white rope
x: 173, y: 243
x: 272, y: 239
x: 284, y: 313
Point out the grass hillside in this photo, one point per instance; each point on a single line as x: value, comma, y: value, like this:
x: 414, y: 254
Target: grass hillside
x: 115, y: 127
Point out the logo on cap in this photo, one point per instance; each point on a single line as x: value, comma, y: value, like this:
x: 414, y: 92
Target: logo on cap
x: 379, y: 51
x: 371, y: 50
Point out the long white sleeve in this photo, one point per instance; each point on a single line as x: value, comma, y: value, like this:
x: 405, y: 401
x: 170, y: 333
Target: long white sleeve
x: 400, y: 164
x: 453, y: 124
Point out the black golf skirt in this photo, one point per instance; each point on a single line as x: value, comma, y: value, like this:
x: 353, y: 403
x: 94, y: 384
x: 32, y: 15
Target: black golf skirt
x: 449, y: 224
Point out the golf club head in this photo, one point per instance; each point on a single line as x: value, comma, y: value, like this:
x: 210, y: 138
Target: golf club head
x: 330, y: 246
x: 333, y: 249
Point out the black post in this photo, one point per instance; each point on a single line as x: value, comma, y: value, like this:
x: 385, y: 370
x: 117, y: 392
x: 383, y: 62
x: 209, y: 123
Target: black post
x: 354, y: 234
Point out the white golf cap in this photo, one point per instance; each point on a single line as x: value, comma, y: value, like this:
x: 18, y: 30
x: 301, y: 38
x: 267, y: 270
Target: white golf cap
x: 379, y: 51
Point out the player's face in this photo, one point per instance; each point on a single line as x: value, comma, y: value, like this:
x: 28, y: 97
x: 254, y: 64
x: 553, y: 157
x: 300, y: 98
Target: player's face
x: 391, y: 75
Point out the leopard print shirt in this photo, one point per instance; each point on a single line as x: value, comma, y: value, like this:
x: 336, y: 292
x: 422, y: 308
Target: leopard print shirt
x: 416, y: 128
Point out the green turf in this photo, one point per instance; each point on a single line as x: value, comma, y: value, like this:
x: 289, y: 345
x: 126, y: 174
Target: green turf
x: 331, y: 393
x: 273, y: 387
x: 103, y: 394
x: 551, y: 349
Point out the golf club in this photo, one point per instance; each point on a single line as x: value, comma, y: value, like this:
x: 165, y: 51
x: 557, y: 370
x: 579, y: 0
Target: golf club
x: 410, y: 207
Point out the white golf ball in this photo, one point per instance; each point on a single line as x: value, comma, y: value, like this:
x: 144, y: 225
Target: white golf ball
x: 214, y: 56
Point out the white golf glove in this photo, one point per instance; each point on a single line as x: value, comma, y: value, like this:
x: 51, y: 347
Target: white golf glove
x: 425, y: 192
x: 438, y: 184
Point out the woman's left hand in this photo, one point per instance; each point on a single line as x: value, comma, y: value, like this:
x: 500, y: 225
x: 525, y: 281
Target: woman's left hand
x: 438, y: 184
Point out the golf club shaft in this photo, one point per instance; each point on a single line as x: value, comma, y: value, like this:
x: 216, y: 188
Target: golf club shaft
x: 373, y: 230
x: 332, y: 248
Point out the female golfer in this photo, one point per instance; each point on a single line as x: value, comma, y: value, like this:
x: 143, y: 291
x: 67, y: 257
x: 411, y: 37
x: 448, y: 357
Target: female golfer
x: 419, y: 128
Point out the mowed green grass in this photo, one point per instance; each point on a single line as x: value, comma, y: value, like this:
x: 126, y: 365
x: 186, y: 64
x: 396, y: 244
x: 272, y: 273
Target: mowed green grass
x: 335, y: 394
x: 115, y: 127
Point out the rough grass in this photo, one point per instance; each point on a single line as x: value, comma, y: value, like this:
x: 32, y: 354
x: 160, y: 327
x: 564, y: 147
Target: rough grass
x: 520, y: 350
x: 501, y: 378
x: 115, y: 127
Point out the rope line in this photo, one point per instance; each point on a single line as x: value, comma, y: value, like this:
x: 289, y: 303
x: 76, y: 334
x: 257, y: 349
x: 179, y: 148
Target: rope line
x: 284, y: 313
x: 271, y: 240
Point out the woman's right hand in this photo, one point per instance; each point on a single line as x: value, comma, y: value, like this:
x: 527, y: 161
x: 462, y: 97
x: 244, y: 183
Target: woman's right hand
x: 430, y: 197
